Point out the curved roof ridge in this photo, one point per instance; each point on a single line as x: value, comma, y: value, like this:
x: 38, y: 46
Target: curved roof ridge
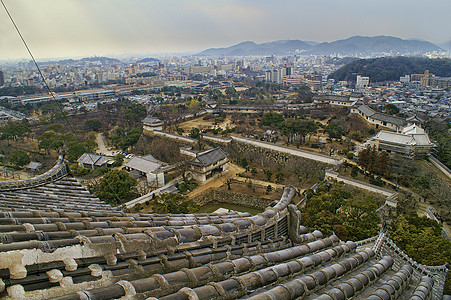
x: 55, y: 173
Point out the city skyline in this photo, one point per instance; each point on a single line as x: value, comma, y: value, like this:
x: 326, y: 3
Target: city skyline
x: 86, y: 28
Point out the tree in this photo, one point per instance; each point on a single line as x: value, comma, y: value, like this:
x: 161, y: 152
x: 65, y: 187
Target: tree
x: 194, y: 133
x: 123, y: 139
x: 19, y: 158
x: 420, y: 238
x: 135, y: 113
x: 390, y: 109
x: 354, y: 171
x: 373, y: 161
x: 194, y: 105
x: 173, y: 204
x: 334, y: 131
x: 93, y: 124
x: 50, y: 140
x: 90, y: 145
x: 14, y: 131
x: 116, y: 187
x: 231, y: 91
x: 272, y: 119
x: 268, y: 174
x: 74, y: 151
x: 349, y: 214
x: 268, y: 189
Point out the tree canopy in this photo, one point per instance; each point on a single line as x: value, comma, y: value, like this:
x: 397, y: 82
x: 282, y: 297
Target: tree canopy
x: 349, y: 214
x: 272, y: 119
x: 374, y: 161
x: 93, y: 124
x: 19, y: 158
x: 116, y: 187
x: 391, y: 68
x: 173, y: 204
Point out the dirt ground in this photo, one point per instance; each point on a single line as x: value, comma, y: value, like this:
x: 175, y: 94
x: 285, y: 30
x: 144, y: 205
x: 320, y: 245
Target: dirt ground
x: 205, y: 124
x: 218, y: 180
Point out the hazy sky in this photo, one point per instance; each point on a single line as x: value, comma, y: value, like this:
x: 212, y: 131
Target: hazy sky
x: 71, y: 28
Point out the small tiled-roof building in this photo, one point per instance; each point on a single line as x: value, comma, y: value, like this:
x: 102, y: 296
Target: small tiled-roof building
x: 208, y: 163
x: 151, y: 124
x: 147, y: 166
x: 33, y: 166
x: 94, y: 161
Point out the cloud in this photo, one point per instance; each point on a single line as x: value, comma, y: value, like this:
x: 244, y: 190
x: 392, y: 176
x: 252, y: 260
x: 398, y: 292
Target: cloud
x: 85, y: 27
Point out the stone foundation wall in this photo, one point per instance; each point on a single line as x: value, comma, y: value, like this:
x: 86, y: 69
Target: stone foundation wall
x: 232, y: 198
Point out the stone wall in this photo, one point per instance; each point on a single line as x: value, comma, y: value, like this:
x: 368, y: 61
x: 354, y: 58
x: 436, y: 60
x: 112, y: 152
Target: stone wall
x: 232, y: 198
x: 288, y: 150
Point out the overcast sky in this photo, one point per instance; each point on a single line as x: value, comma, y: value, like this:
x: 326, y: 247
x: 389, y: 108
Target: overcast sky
x: 74, y: 28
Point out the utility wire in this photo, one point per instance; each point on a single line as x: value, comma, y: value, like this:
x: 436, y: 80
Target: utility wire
x: 50, y: 91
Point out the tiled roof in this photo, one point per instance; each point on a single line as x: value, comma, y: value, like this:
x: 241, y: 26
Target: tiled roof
x: 389, y: 119
x: 33, y: 165
x: 80, y: 248
x: 369, y: 112
x: 366, y: 110
x: 93, y: 159
x: 143, y: 165
x: 403, y: 139
x: 151, y: 120
x: 209, y: 157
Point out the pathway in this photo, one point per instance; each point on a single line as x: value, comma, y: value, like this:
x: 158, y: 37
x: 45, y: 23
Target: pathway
x: 217, y: 181
x: 101, y: 145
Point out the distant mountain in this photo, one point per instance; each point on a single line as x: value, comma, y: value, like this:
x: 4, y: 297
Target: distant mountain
x: 94, y: 60
x: 282, y: 47
x: 101, y: 59
x: 391, y: 68
x: 364, y: 45
x: 446, y: 46
x: 147, y: 59
x: 341, y: 61
x: 353, y: 46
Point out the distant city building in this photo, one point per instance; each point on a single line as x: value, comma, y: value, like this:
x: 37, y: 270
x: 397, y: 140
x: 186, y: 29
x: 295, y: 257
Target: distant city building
x: 404, y: 79
x: 293, y: 79
x: 2, y: 78
x: 416, y: 77
x: 362, y: 82
x: 288, y: 71
x: 275, y: 75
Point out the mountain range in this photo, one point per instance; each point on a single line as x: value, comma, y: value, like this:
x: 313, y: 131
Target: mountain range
x: 94, y: 60
x: 356, y: 45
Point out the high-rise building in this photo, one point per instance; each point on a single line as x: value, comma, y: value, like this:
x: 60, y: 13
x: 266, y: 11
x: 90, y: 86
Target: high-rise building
x: 288, y: 71
x: 2, y: 79
x: 362, y: 82
x: 404, y: 79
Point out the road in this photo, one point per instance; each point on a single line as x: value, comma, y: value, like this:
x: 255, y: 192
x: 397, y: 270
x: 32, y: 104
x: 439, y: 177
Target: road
x: 101, y: 145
